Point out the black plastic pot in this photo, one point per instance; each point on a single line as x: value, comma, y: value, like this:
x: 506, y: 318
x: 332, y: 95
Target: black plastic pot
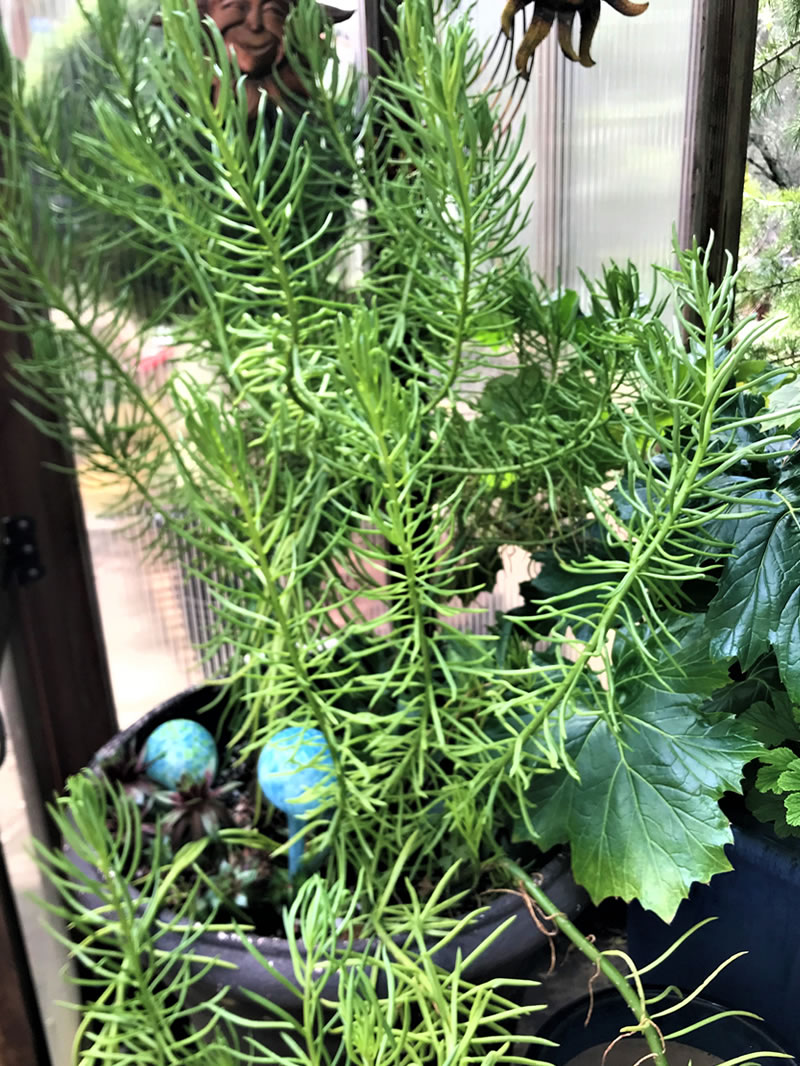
x: 756, y: 907
x: 508, y: 956
x: 724, y: 1039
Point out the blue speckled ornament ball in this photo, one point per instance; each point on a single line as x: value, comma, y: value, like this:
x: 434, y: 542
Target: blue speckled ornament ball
x: 292, y: 763
x: 180, y: 751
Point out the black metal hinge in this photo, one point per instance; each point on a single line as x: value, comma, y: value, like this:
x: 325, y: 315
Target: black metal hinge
x: 19, y: 552
x: 19, y: 564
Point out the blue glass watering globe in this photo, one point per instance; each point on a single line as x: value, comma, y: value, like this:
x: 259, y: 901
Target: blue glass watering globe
x: 180, y: 751
x: 292, y: 763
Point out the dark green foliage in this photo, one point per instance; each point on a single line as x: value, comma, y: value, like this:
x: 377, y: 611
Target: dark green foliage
x: 758, y: 601
x: 156, y: 992
x: 734, y: 639
x: 644, y: 804
x: 342, y: 448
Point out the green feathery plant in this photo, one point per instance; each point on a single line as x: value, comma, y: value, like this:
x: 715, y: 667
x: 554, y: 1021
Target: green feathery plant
x: 383, y: 1001
x: 380, y: 1002
x: 310, y: 444
x: 327, y: 445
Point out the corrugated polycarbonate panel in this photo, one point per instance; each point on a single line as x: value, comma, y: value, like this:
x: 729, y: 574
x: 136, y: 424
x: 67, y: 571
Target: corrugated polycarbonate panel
x: 607, y: 142
x: 623, y: 140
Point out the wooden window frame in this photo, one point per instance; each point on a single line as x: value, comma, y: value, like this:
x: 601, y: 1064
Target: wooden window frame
x: 718, y: 126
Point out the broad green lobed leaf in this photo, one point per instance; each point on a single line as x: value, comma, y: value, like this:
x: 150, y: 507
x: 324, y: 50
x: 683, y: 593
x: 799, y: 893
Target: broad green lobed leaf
x: 789, y: 780
x: 792, y: 805
x: 771, y: 723
x: 775, y: 762
x: 758, y: 601
x: 771, y: 810
x: 643, y: 821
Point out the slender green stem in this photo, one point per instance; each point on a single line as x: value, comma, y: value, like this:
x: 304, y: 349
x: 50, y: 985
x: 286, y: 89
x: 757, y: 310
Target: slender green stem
x: 647, y: 544
x: 136, y: 977
x: 402, y: 518
x: 273, y: 598
x: 638, y: 1008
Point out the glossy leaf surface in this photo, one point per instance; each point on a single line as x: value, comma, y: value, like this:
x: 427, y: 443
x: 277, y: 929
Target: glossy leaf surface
x: 643, y: 821
x: 758, y: 602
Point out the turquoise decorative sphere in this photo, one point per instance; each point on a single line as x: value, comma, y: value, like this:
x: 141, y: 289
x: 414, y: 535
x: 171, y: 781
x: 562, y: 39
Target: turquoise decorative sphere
x: 292, y: 762
x: 180, y: 751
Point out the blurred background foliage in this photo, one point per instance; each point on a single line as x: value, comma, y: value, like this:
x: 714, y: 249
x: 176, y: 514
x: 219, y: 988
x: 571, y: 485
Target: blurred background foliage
x: 770, y: 241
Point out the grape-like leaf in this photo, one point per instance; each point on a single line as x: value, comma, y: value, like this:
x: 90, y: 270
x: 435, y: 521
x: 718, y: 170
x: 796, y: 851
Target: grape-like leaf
x: 682, y: 667
x: 758, y: 601
x: 774, y: 762
x: 770, y: 810
x: 789, y: 780
x: 786, y: 400
x: 771, y: 723
x: 643, y: 821
x: 792, y: 803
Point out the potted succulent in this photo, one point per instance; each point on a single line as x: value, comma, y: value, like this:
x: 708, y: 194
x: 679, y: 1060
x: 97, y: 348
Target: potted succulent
x: 369, y: 397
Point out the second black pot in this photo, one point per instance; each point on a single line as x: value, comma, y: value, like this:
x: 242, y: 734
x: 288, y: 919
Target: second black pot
x: 755, y: 910
x: 724, y: 1039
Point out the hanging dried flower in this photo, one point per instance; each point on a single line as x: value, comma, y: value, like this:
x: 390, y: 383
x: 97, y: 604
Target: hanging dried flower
x: 545, y: 12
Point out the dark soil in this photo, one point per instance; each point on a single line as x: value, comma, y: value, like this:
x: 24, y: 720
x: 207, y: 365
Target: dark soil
x: 241, y: 882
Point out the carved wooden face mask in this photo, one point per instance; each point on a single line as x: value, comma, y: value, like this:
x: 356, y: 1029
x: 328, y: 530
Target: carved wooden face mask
x: 545, y: 12
x: 253, y: 32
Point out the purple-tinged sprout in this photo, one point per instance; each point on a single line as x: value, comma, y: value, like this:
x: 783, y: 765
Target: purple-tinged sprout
x: 291, y: 764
